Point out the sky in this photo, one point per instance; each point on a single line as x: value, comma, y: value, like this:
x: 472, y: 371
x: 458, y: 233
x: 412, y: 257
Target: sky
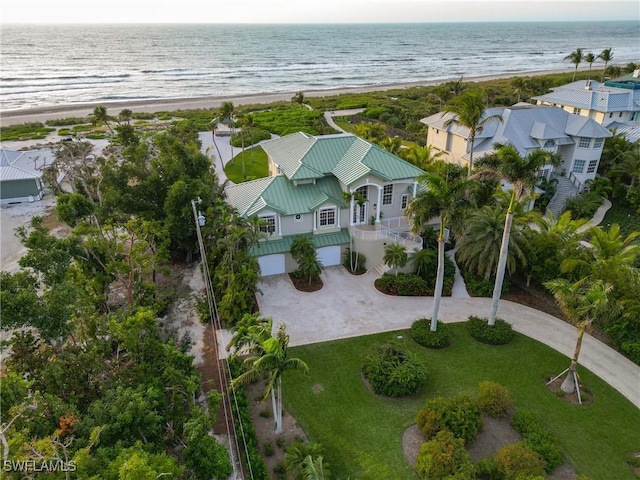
x: 312, y: 11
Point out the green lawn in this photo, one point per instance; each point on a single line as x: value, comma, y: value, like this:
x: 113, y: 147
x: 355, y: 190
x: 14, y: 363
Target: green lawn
x: 627, y: 218
x: 256, y: 168
x: 362, y: 433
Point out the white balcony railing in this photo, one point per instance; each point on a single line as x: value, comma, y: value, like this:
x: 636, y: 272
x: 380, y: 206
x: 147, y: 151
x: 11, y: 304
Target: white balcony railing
x: 401, y: 238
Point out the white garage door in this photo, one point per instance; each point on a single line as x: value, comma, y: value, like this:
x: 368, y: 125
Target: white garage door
x: 329, y: 256
x: 271, y: 264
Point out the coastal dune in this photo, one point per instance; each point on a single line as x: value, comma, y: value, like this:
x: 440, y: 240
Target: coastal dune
x: 42, y: 114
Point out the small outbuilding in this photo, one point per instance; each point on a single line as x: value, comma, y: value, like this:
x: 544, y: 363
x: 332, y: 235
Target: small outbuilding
x: 18, y: 182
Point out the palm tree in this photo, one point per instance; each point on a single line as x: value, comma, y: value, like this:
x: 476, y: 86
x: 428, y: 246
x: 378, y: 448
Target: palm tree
x: 269, y: 357
x: 249, y: 331
x: 479, y: 246
x: 298, y: 98
x: 100, y: 115
x: 443, y: 199
x: 629, y: 166
x: 575, y: 57
x: 522, y: 173
x: 606, y: 56
x: 423, y: 260
x: 395, y: 256
x: 422, y: 157
x: 298, y: 455
x: 391, y: 144
x: 470, y: 112
x: 590, y: 58
x: 310, y: 266
x: 582, y: 302
x: 226, y: 115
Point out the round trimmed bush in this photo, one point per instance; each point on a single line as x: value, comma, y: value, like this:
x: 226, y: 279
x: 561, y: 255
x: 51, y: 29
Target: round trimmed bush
x: 444, y: 457
x: 494, y: 399
x: 422, y: 334
x: 393, y: 372
x: 517, y: 461
x: 459, y: 414
x: 538, y: 438
x: 499, y: 334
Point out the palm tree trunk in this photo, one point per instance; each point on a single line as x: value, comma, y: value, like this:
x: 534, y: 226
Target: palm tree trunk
x: 502, y: 263
x: 274, y: 407
x: 279, y: 406
x: 569, y: 385
x: 437, y: 294
x: 473, y: 137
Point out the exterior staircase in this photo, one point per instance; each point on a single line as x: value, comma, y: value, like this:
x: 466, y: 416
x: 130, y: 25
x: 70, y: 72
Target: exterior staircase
x: 382, y: 269
x: 565, y: 189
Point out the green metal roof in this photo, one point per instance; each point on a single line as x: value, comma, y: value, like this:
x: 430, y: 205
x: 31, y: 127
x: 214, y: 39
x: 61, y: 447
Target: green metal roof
x: 301, y: 156
x: 284, y: 245
x: 279, y: 194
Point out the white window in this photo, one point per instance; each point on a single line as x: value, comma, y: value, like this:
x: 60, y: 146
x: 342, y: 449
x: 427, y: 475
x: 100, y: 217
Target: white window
x: 576, y: 110
x: 584, y: 142
x: 633, y: 116
x: 404, y: 201
x: 593, y: 164
x: 597, y: 143
x: 549, y: 144
x: 578, y: 166
x: 327, y: 217
x: 387, y: 194
x: 620, y: 115
x: 268, y: 224
x: 611, y: 115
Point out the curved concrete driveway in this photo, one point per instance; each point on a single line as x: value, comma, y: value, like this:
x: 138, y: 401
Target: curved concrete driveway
x: 350, y: 306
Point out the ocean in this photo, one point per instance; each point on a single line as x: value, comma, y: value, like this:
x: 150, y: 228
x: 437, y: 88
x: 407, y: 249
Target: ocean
x: 46, y: 65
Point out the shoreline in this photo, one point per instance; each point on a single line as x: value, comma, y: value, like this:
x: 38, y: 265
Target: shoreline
x: 41, y: 114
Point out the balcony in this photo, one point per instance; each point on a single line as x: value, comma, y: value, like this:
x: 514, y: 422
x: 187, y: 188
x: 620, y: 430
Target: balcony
x: 375, y: 233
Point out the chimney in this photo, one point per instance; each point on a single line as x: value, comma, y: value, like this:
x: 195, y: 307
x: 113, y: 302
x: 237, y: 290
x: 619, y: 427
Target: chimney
x: 636, y: 73
x: 588, y: 85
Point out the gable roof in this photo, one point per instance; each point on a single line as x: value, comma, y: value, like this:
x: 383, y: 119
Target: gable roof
x: 304, y: 157
x: 279, y: 194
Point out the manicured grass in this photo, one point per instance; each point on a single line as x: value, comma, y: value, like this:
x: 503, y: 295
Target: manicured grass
x: 362, y: 433
x: 627, y: 218
x: 256, y: 168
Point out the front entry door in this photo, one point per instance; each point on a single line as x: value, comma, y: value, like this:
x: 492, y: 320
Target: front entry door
x: 360, y: 211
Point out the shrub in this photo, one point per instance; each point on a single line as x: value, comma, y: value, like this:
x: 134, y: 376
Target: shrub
x: 494, y: 399
x: 517, y: 460
x: 207, y: 458
x: 422, y: 334
x: 359, y: 260
x: 459, y: 414
x: 478, y: 286
x: 392, y: 371
x: 444, y: 457
x: 538, y: 438
x: 583, y: 206
x: 486, y: 469
x: 500, y: 334
x: 268, y: 449
x: 403, y: 284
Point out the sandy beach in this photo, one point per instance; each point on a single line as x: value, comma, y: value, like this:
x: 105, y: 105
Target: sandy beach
x: 155, y: 105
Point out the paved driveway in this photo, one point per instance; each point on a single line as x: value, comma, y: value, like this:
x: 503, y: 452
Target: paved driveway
x: 350, y: 306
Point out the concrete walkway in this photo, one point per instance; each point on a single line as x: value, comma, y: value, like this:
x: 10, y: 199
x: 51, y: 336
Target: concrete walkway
x: 350, y: 306
x: 459, y: 287
x: 597, y: 217
x: 328, y: 116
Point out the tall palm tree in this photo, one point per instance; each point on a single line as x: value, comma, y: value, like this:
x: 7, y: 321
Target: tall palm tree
x: 522, y: 174
x: 226, y: 113
x: 590, y: 58
x: 470, y: 112
x: 629, y: 165
x: 269, y: 357
x: 443, y: 199
x: 575, y: 58
x: 301, y: 458
x: 606, y: 56
x: 100, y: 115
x: 395, y: 256
x: 582, y: 302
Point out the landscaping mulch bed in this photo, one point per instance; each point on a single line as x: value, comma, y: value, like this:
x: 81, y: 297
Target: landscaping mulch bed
x: 302, y: 283
x: 554, y: 387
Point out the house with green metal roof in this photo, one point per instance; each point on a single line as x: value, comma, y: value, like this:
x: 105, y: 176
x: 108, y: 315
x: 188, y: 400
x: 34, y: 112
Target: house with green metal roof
x: 340, y: 190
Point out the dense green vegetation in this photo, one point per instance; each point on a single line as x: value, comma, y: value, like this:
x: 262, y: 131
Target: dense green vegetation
x: 25, y: 131
x: 362, y: 432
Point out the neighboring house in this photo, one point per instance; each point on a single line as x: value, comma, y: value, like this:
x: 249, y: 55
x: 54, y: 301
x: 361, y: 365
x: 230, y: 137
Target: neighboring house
x: 20, y: 180
x: 612, y: 103
x: 578, y: 139
x: 309, y: 192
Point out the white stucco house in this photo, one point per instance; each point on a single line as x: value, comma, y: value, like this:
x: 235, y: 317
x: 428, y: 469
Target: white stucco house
x: 614, y: 104
x: 578, y: 139
x: 309, y: 192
